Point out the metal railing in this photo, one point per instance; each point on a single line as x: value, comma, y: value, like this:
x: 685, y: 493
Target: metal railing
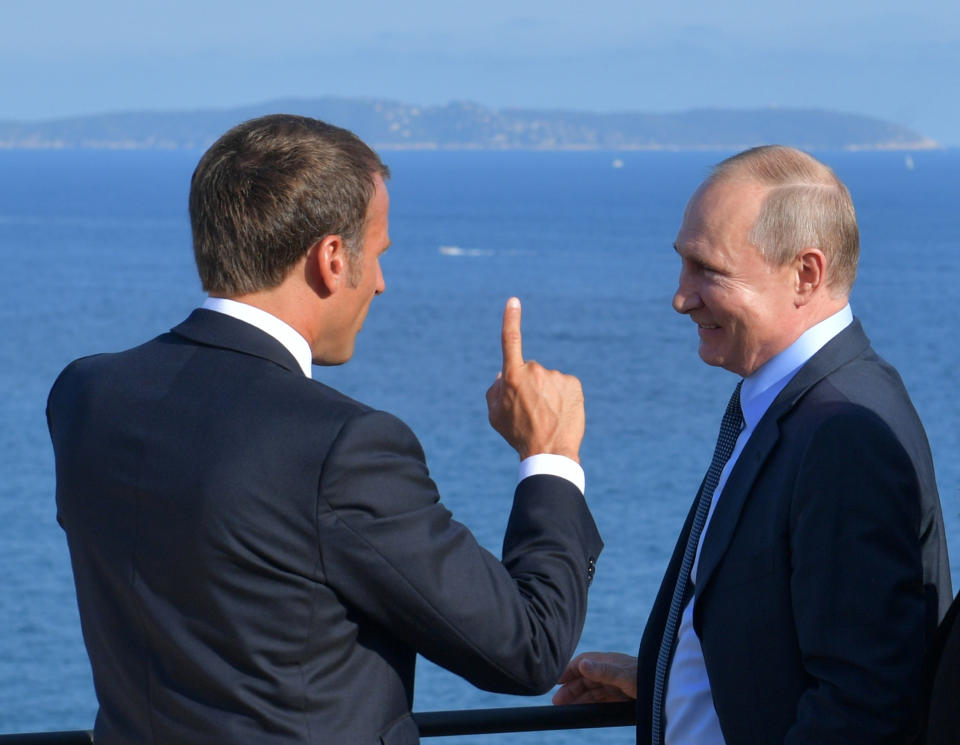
x: 440, y: 723
x: 75, y: 737
x: 525, y: 719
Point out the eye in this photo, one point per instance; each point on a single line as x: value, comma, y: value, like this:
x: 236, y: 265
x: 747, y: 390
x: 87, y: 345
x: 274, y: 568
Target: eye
x: 694, y: 266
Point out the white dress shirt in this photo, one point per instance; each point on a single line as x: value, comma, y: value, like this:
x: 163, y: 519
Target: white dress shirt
x: 291, y: 339
x: 690, y: 715
x: 268, y: 323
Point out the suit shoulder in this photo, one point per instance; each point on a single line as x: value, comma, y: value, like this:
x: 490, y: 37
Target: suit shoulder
x: 376, y: 430
x: 96, y: 367
x: 862, y: 404
x: 832, y: 415
x: 78, y: 368
x: 865, y: 384
x: 322, y: 392
x: 842, y: 418
x: 357, y: 424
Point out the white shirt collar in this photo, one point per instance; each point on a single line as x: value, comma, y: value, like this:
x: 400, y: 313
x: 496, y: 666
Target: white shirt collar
x: 269, y: 324
x: 765, y: 383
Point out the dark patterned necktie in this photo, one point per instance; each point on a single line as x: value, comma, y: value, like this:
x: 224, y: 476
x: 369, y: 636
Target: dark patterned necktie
x: 729, y: 431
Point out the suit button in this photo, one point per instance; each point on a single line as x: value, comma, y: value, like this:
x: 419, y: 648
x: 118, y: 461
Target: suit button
x: 591, y: 569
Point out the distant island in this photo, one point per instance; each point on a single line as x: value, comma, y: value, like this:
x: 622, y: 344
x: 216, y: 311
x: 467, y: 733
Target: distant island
x: 390, y: 125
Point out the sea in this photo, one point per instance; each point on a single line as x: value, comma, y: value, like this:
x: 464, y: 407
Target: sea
x: 96, y: 255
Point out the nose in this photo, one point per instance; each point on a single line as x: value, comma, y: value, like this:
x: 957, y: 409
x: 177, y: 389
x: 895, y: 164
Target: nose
x: 381, y: 283
x: 686, y: 298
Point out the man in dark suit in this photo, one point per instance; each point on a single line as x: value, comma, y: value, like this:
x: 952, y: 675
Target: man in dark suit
x: 258, y: 558
x: 810, y: 574
x: 943, y: 713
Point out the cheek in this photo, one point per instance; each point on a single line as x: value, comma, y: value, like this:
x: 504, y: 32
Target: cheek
x: 720, y: 301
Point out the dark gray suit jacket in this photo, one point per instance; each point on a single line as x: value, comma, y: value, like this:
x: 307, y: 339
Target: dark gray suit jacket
x: 259, y: 558
x: 824, y: 568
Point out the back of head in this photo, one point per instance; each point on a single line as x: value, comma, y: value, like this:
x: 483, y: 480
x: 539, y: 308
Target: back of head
x: 806, y: 206
x: 269, y: 189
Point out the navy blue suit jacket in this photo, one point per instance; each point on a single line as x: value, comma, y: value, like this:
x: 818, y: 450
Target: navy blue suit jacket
x: 943, y: 714
x: 259, y: 558
x: 824, y: 568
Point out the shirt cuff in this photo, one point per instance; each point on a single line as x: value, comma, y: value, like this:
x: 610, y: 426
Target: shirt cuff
x: 549, y: 464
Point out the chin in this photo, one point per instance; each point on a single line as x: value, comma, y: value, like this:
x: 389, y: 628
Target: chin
x: 710, y: 357
x: 332, y: 360
x: 718, y: 361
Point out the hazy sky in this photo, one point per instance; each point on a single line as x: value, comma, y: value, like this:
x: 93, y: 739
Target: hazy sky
x: 896, y: 60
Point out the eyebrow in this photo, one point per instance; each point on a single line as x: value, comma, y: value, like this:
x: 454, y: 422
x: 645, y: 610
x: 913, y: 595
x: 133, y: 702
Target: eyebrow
x: 695, y: 257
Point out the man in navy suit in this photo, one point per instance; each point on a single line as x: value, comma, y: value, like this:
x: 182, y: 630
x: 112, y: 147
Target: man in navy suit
x: 943, y: 714
x: 258, y: 558
x: 816, y: 584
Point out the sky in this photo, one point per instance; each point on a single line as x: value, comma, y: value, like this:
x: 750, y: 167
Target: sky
x: 898, y: 61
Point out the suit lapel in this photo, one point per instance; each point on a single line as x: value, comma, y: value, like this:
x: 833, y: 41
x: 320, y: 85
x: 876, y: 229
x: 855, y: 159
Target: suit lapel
x: 846, y: 345
x: 215, y: 329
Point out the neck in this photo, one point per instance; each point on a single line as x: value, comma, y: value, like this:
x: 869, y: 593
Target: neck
x: 822, y: 306
x: 289, y: 306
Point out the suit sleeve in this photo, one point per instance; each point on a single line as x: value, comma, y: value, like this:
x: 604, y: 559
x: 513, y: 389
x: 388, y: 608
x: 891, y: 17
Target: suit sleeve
x: 391, y: 550
x: 856, y: 584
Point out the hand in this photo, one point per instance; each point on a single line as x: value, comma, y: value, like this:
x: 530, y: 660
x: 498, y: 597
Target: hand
x: 536, y: 410
x: 598, y: 677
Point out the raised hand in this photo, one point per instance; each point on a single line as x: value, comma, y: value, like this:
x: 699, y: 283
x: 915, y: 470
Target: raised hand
x: 535, y: 410
x: 597, y: 677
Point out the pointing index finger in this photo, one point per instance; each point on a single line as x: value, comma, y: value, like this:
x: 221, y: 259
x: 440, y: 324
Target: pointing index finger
x: 510, y: 337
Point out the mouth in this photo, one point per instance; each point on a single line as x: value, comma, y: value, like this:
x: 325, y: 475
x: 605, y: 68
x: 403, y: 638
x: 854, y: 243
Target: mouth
x: 706, y: 326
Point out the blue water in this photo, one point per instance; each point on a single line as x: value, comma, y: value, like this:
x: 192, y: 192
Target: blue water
x: 96, y: 252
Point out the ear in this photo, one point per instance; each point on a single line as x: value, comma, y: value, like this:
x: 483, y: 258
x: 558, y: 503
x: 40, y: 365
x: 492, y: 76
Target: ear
x: 327, y: 265
x: 811, y: 274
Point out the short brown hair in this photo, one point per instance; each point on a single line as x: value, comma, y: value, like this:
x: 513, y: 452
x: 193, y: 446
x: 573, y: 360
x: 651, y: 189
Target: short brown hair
x: 806, y: 206
x: 270, y: 188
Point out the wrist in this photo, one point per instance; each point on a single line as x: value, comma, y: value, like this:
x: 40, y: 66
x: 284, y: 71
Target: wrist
x: 553, y: 464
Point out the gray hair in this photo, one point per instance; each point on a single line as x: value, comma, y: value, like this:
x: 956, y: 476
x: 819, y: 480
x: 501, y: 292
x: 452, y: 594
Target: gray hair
x: 806, y: 206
